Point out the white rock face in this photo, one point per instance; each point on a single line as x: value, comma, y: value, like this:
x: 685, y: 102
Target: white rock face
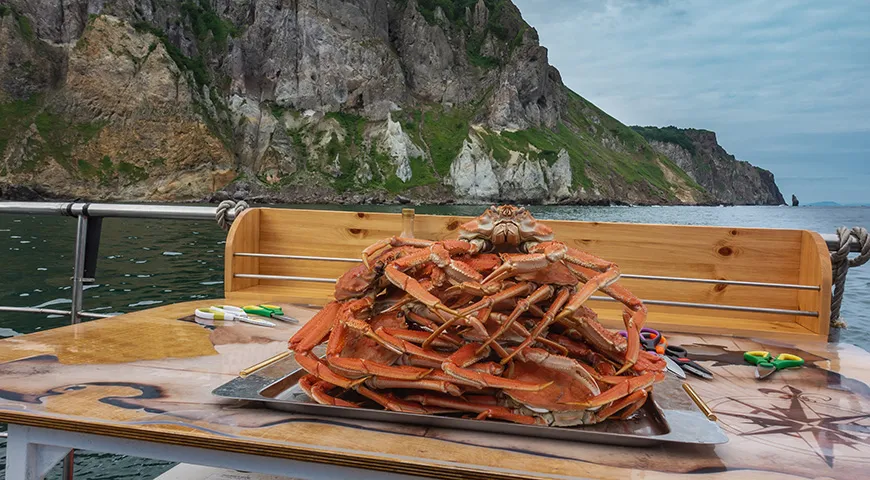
x: 476, y: 175
x: 523, y: 179
x: 472, y: 175
x: 364, y: 173
x: 559, y: 177
x: 400, y: 148
x: 256, y: 128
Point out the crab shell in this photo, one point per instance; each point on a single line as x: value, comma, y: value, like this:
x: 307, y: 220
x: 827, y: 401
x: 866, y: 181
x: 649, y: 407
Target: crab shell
x: 552, y: 405
x: 506, y: 226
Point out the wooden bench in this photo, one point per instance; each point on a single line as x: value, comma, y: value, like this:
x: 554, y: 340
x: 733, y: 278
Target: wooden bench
x: 703, y: 266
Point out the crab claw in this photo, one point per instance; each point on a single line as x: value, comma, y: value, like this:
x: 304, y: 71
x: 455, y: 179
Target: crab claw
x: 632, y: 348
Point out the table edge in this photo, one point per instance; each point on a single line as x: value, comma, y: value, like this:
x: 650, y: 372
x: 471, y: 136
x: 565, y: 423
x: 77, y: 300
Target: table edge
x: 274, y: 450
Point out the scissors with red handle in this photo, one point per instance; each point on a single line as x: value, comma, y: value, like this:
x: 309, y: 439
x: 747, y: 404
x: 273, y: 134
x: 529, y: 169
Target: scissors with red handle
x: 653, y: 341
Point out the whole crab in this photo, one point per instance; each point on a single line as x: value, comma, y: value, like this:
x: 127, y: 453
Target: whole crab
x: 420, y: 315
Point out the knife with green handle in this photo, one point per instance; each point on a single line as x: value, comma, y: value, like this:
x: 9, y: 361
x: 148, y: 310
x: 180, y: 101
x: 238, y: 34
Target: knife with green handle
x: 269, y: 311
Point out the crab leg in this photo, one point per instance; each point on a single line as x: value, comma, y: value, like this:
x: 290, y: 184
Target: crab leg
x: 633, y: 324
x: 492, y: 368
x: 421, y: 320
x: 579, y: 370
x: 485, y: 303
x: 318, y: 391
x: 315, y: 336
x: 427, y: 285
x: 390, y: 402
x: 315, y: 330
x: 416, y: 336
x: 456, y: 366
x: 548, y: 319
x: 484, y: 410
x: 413, y: 287
x: 476, y: 288
x: 315, y: 367
x: 601, y: 365
x: 542, y: 293
x: 605, y: 341
x: 455, y: 270
x: 360, y: 367
x: 521, y: 331
x: 401, y: 346
x: 423, y: 384
x: 622, y: 390
x: 630, y: 404
x: 378, y: 246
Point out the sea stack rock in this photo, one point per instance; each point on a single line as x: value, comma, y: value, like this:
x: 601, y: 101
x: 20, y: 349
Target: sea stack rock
x: 794, y: 201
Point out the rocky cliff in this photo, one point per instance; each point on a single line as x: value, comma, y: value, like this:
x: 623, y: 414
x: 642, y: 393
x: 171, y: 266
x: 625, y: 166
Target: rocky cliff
x: 306, y: 100
x: 699, y: 154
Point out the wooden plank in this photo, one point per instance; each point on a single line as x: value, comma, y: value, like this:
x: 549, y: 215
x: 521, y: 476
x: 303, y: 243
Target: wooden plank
x: 723, y: 253
x: 244, y: 236
x: 303, y: 293
x: 703, y: 252
x: 815, y: 270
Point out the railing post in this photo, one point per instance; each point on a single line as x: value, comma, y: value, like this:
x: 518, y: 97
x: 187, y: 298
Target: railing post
x: 79, y: 267
x: 77, y: 294
x: 68, y: 466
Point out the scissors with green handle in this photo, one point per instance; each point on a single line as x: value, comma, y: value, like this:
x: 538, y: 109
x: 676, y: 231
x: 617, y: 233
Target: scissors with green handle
x: 765, y: 364
x: 269, y: 311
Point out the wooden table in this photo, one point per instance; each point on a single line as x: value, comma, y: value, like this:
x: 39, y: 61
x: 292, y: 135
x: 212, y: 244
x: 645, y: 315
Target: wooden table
x: 140, y: 384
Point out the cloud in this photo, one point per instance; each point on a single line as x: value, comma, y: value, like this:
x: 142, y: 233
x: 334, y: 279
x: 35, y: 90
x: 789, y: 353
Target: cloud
x: 751, y: 70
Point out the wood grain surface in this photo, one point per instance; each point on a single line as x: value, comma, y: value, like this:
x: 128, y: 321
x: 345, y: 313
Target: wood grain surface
x: 148, y: 375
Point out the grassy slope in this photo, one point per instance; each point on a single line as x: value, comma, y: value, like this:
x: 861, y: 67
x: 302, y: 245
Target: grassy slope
x: 581, y: 134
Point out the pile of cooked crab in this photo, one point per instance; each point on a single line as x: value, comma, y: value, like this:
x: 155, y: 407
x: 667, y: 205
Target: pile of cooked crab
x: 491, y: 326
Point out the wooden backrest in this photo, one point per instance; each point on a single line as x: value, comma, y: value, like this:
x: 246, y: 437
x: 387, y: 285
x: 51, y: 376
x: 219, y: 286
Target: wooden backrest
x: 788, y: 258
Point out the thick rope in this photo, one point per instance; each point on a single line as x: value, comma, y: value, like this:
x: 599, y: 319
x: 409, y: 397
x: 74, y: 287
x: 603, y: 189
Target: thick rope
x: 223, y: 209
x: 840, y: 264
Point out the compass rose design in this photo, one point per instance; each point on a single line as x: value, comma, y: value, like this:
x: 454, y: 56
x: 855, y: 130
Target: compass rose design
x: 799, y: 422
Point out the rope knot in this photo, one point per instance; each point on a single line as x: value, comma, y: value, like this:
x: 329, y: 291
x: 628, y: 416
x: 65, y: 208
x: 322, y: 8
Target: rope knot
x: 841, y: 263
x: 223, y: 210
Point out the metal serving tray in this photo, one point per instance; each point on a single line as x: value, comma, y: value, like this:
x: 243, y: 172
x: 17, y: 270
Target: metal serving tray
x: 667, y: 417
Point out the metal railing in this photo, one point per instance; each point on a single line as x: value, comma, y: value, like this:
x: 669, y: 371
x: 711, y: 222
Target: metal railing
x: 87, y: 241
x: 88, y: 229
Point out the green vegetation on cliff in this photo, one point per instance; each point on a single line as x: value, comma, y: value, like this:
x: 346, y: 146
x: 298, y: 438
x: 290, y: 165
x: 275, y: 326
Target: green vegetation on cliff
x: 669, y: 134
x: 15, y: 116
x: 444, y: 131
x: 60, y: 136
x: 56, y: 137
x: 506, y: 25
x: 205, y: 21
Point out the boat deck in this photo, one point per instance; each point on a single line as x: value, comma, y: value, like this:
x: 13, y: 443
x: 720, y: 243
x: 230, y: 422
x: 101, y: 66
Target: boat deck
x: 149, y: 375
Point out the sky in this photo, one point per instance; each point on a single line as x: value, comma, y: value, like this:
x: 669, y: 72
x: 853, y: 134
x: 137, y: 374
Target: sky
x: 785, y: 84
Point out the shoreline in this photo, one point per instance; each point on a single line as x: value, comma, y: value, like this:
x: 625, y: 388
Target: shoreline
x: 27, y: 193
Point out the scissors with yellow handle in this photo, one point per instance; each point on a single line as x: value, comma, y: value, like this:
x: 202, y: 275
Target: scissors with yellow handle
x: 765, y: 364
